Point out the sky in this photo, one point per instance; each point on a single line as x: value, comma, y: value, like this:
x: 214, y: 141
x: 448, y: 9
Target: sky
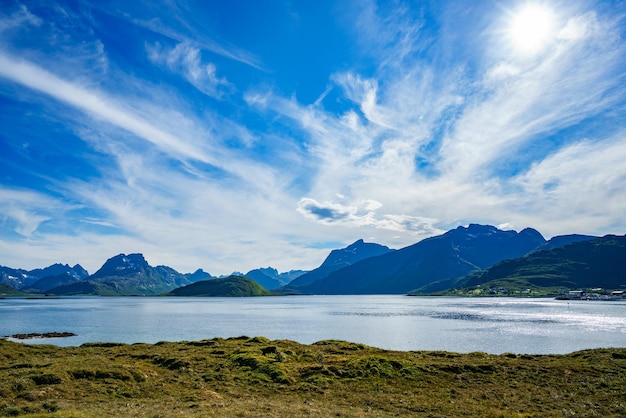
x: 234, y: 135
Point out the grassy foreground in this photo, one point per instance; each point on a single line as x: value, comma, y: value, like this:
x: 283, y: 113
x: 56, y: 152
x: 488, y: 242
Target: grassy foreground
x: 256, y: 377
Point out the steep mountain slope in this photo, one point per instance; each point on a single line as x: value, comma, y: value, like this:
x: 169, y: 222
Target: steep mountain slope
x: 266, y: 277
x: 438, y: 259
x: 50, y: 282
x: 16, y: 278
x: 232, y: 286
x: 85, y: 288
x: 338, y: 259
x: 591, y: 263
x: 291, y: 275
x: 128, y: 275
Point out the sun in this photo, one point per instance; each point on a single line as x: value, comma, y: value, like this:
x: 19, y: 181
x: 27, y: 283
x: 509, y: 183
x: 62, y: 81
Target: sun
x: 531, y: 28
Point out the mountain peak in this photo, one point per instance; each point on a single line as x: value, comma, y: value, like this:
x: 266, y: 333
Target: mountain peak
x: 354, y: 252
x: 338, y: 259
x: 476, y: 229
x: 122, y: 265
x: 198, y: 275
x: 357, y: 243
x: 532, y: 233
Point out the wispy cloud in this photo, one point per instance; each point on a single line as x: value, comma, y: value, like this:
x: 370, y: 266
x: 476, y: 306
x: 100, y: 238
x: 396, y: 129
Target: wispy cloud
x: 583, y: 180
x: 97, y: 105
x: 535, y: 99
x: 192, y: 35
x: 438, y: 122
x: 23, y: 211
x: 424, y: 139
x: 18, y: 19
x: 187, y: 60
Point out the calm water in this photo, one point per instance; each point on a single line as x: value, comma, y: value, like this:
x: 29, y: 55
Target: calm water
x: 394, y: 322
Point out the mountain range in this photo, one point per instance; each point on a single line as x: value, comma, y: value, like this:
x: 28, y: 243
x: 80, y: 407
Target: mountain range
x: 24, y: 279
x: 434, y: 261
x: 461, y: 257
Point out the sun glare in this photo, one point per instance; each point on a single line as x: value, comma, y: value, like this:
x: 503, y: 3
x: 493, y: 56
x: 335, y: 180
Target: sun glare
x: 531, y: 28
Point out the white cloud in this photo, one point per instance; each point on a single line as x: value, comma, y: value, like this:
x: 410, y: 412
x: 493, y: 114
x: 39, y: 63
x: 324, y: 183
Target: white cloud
x: 335, y: 213
x: 187, y: 60
x: 24, y: 211
x: 164, y: 196
x: 579, y: 27
x: 18, y: 19
x: 95, y: 104
x: 561, y: 90
x: 197, y: 37
x: 174, y: 133
x: 582, y: 186
x: 421, y: 143
x: 410, y: 224
x: 372, y: 150
x: 364, y: 214
x: 388, y: 31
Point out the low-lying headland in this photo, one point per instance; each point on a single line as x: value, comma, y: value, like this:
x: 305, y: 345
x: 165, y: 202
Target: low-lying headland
x: 257, y: 377
x: 33, y: 335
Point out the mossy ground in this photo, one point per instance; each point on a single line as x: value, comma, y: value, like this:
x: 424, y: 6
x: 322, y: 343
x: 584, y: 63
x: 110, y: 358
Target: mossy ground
x: 256, y: 377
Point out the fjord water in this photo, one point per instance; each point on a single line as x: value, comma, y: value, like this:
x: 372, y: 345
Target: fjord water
x: 492, y: 325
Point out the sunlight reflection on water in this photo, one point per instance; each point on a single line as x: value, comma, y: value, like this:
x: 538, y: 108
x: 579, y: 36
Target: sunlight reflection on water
x: 392, y: 322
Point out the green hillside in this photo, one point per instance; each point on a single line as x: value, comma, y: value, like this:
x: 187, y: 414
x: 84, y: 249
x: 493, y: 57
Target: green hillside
x: 232, y: 286
x: 6, y: 290
x: 85, y: 288
x: 596, y: 263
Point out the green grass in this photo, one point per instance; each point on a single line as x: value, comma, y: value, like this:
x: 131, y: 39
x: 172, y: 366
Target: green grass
x: 256, y: 377
x: 6, y: 290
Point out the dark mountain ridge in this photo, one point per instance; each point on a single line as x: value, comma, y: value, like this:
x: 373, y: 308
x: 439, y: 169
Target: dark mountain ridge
x: 59, y: 269
x: 563, y: 240
x: 338, y: 259
x: 438, y: 259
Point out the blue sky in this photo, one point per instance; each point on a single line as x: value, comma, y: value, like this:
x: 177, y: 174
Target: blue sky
x: 234, y: 135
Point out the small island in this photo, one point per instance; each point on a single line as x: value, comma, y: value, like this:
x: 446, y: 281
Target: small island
x: 232, y: 286
x: 34, y: 335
